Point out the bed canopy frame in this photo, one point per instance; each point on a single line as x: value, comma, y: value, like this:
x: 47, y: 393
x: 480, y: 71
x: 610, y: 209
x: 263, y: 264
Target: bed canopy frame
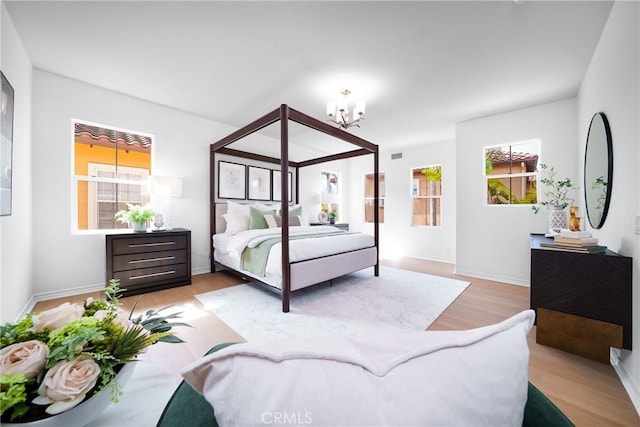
x: 284, y: 114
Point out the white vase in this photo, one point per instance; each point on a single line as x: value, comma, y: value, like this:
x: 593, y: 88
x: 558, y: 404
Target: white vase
x: 85, y: 411
x: 139, y: 226
x: 557, y: 218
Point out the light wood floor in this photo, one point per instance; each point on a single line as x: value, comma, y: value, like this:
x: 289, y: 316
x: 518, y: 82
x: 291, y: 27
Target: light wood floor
x: 589, y: 393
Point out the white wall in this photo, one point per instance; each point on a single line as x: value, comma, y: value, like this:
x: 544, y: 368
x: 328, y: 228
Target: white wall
x: 493, y: 241
x: 611, y: 85
x: 73, y: 262
x: 16, y: 235
x: 397, y: 235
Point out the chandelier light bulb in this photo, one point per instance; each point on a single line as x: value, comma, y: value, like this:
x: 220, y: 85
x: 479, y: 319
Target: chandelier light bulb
x: 338, y: 112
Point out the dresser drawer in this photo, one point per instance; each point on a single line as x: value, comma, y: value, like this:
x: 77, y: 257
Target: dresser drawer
x: 152, y: 243
x: 148, y: 259
x: 129, y: 279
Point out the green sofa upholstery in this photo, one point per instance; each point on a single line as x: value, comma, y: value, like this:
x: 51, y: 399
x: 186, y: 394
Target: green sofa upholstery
x: 189, y: 408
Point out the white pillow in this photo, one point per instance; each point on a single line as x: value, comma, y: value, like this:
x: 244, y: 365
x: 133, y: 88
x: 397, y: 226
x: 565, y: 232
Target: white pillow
x: 263, y: 207
x: 476, y: 377
x: 236, y: 224
x: 237, y: 209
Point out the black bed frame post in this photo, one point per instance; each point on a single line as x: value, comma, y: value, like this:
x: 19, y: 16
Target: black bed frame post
x: 376, y: 211
x: 212, y: 206
x: 284, y: 197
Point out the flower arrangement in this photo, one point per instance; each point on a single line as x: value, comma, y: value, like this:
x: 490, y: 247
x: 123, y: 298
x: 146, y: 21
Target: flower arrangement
x: 67, y: 353
x: 135, y: 214
x: 557, y: 190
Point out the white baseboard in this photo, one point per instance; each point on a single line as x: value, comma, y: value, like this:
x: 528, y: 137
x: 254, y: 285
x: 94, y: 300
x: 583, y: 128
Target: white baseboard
x: 46, y: 296
x: 625, y: 379
x: 201, y: 270
x: 502, y: 279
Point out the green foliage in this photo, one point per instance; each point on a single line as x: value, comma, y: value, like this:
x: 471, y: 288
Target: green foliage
x: 135, y: 213
x: 11, y: 333
x: 557, y: 190
x: 433, y: 173
x: 13, y: 395
x: 82, y: 335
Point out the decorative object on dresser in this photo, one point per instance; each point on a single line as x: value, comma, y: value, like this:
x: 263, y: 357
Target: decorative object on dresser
x: 574, y: 241
x: 574, y: 219
x: 146, y: 262
x: 135, y: 215
x: 164, y: 188
x: 557, y: 197
x: 583, y: 300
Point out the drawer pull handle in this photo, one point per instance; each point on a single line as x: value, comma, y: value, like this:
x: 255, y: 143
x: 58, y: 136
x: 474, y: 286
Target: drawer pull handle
x: 144, y: 276
x: 143, y: 245
x: 164, y: 258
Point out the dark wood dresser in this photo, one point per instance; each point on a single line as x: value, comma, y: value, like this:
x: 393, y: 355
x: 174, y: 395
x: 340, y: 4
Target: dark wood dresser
x: 583, y: 301
x: 149, y: 261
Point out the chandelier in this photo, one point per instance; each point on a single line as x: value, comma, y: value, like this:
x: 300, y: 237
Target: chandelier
x: 338, y: 112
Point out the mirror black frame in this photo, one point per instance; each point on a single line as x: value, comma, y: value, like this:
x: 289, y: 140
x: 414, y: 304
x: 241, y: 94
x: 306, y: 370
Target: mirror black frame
x: 591, y: 211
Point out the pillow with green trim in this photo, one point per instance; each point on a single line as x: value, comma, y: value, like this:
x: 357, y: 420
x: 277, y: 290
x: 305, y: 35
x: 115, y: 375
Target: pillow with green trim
x: 257, y: 220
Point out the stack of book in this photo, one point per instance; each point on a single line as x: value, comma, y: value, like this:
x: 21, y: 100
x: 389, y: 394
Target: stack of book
x: 575, y: 241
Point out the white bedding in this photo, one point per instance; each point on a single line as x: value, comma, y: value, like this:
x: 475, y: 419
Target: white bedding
x: 228, y: 248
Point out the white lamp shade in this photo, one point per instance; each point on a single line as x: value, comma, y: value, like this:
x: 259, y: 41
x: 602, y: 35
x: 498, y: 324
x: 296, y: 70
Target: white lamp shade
x: 360, y: 106
x: 331, y: 108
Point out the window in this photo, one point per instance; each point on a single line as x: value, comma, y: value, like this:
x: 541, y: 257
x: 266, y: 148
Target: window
x: 111, y: 169
x: 510, y: 172
x: 426, y: 192
x: 369, y: 207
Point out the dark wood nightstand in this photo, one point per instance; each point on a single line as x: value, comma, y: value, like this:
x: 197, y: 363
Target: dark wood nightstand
x: 583, y: 301
x: 149, y: 261
x: 341, y: 225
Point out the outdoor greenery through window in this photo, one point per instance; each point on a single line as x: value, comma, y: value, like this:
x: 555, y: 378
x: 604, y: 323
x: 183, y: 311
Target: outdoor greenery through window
x: 510, y: 172
x: 111, y: 169
x: 369, y: 207
x: 426, y: 193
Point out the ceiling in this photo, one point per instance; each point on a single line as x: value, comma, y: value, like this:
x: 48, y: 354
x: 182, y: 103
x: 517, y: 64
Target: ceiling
x: 421, y: 66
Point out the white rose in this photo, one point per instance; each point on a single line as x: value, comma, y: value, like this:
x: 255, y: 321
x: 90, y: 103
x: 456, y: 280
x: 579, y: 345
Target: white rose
x: 27, y: 358
x: 57, y: 317
x: 67, y: 383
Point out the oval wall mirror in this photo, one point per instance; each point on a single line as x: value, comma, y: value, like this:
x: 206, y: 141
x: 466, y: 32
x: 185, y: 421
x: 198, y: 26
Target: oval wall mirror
x: 598, y: 170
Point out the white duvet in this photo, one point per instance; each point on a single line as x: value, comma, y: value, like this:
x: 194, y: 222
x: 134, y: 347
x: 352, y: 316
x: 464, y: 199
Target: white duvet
x: 230, y: 247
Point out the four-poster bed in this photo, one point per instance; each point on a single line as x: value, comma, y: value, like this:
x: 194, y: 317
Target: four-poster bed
x: 304, y: 272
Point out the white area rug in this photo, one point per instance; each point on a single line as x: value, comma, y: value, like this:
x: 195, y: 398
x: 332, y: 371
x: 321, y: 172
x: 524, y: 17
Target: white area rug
x: 357, y: 304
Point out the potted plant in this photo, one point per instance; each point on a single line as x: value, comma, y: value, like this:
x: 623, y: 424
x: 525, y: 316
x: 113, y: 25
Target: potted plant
x: 332, y: 217
x: 557, y: 193
x: 136, y: 215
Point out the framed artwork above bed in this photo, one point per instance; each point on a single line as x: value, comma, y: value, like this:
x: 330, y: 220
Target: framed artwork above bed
x: 259, y: 183
x: 231, y: 180
x: 276, y: 186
